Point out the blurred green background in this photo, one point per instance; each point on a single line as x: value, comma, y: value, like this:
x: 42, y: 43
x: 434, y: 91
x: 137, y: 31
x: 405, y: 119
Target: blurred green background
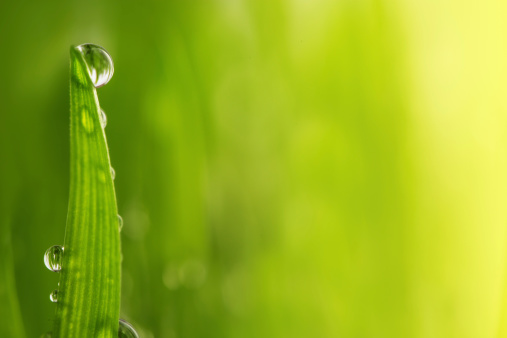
x: 283, y: 168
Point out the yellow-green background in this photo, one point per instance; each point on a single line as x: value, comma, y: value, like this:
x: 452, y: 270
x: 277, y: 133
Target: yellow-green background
x: 285, y: 169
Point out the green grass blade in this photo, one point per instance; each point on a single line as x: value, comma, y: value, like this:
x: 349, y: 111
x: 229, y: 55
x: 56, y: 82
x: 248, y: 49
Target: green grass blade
x: 89, y: 293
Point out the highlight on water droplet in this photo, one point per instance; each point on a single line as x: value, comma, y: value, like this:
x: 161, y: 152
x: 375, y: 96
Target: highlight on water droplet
x: 54, y: 296
x: 53, y: 258
x: 113, y: 173
x: 120, y: 222
x: 103, y: 118
x: 98, y: 62
x: 126, y: 330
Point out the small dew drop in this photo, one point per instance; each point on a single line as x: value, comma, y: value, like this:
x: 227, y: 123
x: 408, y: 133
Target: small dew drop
x: 54, y: 296
x: 126, y: 330
x: 98, y: 62
x: 103, y: 118
x: 120, y: 222
x: 113, y: 173
x: 53, y: 258
x: 47, y: 335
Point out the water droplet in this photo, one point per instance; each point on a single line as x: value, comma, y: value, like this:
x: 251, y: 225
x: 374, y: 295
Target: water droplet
x: 47, y: 335
x: 113, y: 173
x: 126, y: 330
x: 98, y: 62
x: 120, y: 222
x: 53, y: 258
x: 54, y: 296
x: 103, y: 118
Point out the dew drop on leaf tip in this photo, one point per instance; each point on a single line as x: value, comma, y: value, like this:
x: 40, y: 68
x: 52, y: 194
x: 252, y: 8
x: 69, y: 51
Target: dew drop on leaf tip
x: 126, y: 330
x: 53, y: 258
x: 98, y: 62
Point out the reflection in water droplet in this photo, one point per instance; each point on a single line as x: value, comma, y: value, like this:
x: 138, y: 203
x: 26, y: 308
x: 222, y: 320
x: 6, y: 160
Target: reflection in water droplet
x: 87, y: 121
x: 126, y: 330
x: 53, y: 258
x: 120, y: 222
x: 103, y: 118
x: 54, y: 296
x: 113, y: 173
x: 98, y: 62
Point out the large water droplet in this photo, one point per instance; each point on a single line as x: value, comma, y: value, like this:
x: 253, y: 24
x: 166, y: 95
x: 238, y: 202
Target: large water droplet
x: 98, y: 62
x: 113, y: 173
x: 126, y: 330
x: 54, y: 296
x: 103, y: 118
x: 120, y: 222
x: 53, y: 258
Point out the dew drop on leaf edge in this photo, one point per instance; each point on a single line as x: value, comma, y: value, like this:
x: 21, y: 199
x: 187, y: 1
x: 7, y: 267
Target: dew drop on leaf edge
x: 53, y: 258
x: 53, y: 296
x: 126, y: 330
x: 120, y: 222
x: 113, y: 173
x: 103, y: 118
x: 98, y: 62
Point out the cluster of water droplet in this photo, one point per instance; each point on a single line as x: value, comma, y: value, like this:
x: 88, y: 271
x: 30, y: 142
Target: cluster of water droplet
x: 53, y: 258
x: 100, y: 68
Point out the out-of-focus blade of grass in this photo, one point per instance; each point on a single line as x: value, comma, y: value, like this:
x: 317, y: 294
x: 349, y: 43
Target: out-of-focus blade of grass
x: 458, y: 137
x: 294, y: 131
x: 11, y: 323
x: 89, y: 295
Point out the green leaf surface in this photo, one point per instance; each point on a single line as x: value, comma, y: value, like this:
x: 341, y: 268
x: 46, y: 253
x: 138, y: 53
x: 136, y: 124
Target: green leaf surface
x: 89, y: 292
